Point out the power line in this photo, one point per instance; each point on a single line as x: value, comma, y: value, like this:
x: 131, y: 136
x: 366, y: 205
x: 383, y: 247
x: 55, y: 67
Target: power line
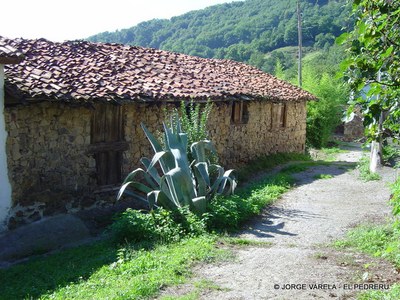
x: 299, y: 31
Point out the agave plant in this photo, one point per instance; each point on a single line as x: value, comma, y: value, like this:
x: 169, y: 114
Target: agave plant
x: 178, y: 182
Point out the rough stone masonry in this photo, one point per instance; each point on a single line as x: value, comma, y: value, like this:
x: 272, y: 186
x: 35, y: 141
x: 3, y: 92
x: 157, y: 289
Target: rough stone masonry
x: 52, y: 172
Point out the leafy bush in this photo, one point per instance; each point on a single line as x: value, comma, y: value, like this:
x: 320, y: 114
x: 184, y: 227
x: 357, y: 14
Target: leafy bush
x: 224, y: 213
x: 194, y: 118
x: 158, y: 225
x: 324, y: 115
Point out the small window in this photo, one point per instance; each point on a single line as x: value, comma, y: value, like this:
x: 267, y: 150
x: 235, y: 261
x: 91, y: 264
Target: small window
x: 278, y: 115
x: 282, y: 115
x: 239, y: 113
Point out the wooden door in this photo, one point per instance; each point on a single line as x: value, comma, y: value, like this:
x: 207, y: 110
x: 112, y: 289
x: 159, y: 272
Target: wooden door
x: 107, y: 143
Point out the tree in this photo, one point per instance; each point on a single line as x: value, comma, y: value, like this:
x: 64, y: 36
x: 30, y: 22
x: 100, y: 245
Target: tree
x: 374, y: 47
x: 324, y: 115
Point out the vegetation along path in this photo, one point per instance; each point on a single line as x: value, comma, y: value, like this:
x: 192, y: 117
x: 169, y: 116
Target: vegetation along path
x: 292, y: 256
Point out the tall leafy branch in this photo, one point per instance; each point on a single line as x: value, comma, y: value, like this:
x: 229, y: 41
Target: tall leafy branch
x: 372, y: 68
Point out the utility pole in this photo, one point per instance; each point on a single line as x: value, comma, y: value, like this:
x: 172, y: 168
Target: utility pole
x: 299, y: 30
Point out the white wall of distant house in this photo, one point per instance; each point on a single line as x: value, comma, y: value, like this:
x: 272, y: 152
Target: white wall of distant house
x: 5, y: 187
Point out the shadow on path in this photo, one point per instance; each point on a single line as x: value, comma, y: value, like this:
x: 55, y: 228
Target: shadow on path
x: 266, y: 226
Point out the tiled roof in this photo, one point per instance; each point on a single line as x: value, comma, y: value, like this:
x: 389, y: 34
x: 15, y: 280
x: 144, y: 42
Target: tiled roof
x: 8, y: 54
x: 83, y: 71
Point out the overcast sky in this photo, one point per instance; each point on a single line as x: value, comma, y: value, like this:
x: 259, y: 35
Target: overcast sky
x: 60, y: 20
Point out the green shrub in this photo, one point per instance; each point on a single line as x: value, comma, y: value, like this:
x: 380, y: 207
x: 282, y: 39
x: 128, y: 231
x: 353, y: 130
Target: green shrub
x: 390, y: 153
x: 158, y: 225
x: 224, y: 213
x: 190, y: 224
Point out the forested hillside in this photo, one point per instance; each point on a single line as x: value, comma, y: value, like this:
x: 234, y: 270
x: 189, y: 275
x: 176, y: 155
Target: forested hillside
x: 263, y: 33
x: 243, y: 31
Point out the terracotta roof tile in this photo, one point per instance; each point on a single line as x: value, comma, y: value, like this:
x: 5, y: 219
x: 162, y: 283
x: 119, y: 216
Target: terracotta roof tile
x: 84, y: 71
x: 8, y: 54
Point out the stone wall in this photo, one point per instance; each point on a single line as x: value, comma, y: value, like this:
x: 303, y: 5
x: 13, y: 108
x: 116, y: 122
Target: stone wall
x: 49, y: 169
x: 52, y: 172
x: 135, y: 114
x: 235, y: 143
x: 261, y: 135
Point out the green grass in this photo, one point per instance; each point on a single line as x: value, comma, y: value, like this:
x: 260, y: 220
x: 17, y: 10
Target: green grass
x: 264, y: 163
x: 242, y: 242
x: 199, y: 286
x: 378, y: 241
x: 295, y: 168
x: 381, y: 241
x: 102, y: 271
x: 323, y: 176
x: 365, y: 173
x: 330, y: 154
x: 392, y: 294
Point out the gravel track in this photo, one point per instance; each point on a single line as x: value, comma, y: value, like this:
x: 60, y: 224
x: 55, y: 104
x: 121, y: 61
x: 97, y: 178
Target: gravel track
x: 301, y: 226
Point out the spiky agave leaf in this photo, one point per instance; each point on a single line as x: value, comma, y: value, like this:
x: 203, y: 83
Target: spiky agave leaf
x: 152, y: 171
x: 221, y: 182
x: 130, y: 180
x: 158, y: 198
x: 181, y: 187
x: 199, y: 150
x: 202, y: 178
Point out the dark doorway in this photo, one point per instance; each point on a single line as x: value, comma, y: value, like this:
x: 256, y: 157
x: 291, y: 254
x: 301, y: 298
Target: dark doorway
x: 107, y: 143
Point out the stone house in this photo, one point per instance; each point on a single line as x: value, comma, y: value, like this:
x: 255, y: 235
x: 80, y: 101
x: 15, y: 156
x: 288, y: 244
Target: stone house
x: 73, y: 112
x: 354, y: 127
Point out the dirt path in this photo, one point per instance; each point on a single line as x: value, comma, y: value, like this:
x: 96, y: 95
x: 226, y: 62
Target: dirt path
x: 300, y: 227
